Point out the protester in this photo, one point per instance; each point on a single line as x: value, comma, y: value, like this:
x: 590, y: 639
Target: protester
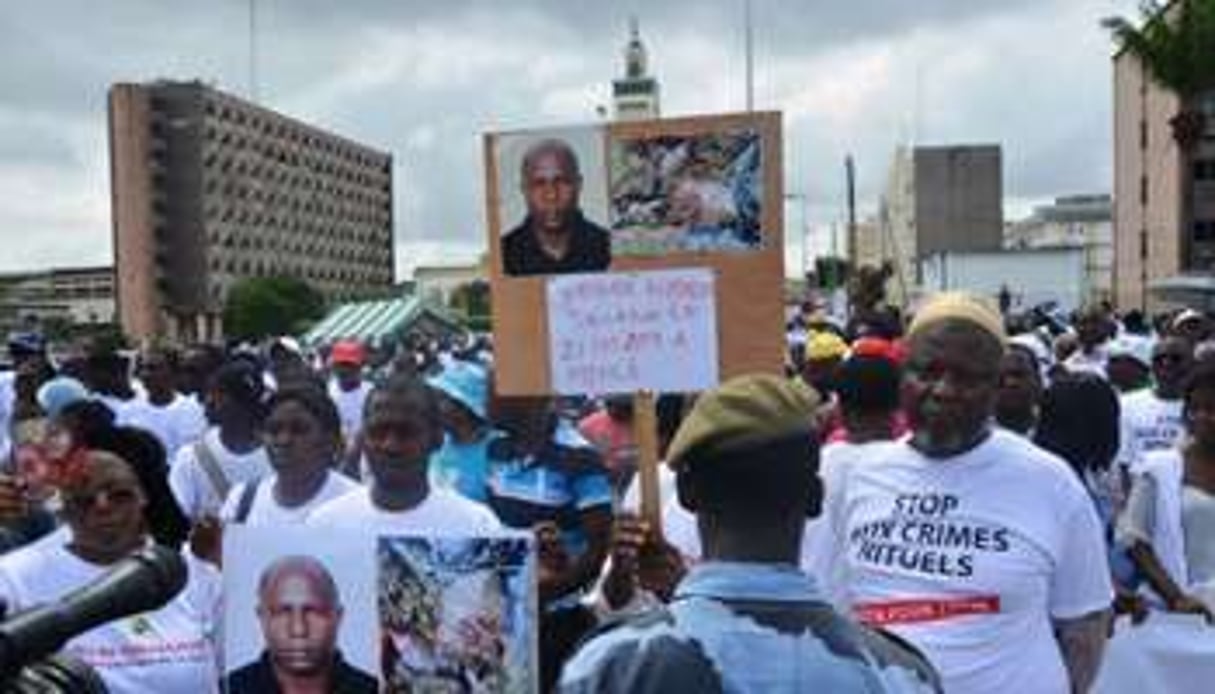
x: 1019, y: 391
x: 462, y: 463
x: 347, y: 387
x: 1192, y: 326
x: 176, y: 420
x: 107, y: 373
x: 1151, y: 419
x: 610, y: 429
x: 868, y: 393
x: 745, y: 620
x: 971, y: 543
x: 230, y: 452
x: 401, y: 430
x: 1169, y: 520
x: 824, y: 352
x: 545, y: 476
x: 287, y: 364
x: 194, y: 370
x: 1079, y: 422
x: 171, y: 649
x: 1093, y: 332
x: 27, y: 351
x: 1129, y: 367
x: 302, y: 440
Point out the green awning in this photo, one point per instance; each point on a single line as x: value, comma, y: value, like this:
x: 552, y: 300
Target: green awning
x: 377, y: 321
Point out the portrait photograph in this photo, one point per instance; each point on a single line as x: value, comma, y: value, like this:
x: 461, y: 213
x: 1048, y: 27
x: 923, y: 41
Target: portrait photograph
x: 298, y: 604
x: 457, y: 614
x: 552, y: 193
x: 698, y: 193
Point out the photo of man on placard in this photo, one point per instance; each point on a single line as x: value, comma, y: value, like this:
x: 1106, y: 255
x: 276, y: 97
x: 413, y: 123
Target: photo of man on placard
x: 555, y: 237
x: 300, y: 611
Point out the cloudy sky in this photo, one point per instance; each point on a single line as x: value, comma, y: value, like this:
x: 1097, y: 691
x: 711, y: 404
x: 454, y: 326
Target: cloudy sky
x: 424, y: 79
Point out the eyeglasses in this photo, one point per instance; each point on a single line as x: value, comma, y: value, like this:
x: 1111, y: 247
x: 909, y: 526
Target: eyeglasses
x: 115, y: 496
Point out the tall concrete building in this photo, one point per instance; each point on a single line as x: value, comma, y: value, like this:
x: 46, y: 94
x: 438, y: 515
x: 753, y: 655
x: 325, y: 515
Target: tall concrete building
x: 208, y: 189
x: 635, y: 96
x: 1150, y: 184
x: 938, y: 200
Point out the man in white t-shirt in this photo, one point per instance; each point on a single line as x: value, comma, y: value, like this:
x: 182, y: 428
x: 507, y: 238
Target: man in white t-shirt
x: 347, y: 388
x: 974, y: 545
x: 174, y: 419
x: 229, y: 453
x: 400, y: 431
x: 1093, y: 332
x: 1151, y: 418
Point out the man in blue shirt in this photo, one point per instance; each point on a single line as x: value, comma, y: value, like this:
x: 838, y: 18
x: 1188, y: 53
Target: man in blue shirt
x: 747, y: 619
x: 545, y: 477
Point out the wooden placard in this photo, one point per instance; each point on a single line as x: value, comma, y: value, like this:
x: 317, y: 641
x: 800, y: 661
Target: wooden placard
x: 749, y: 280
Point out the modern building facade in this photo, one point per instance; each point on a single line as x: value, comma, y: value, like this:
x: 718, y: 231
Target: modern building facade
x: 939, y: 200
x: 1151, y: 182
x: 636, y: 95
x: 209, y: 189
x: 1078, y: 221
x: 69, y: 296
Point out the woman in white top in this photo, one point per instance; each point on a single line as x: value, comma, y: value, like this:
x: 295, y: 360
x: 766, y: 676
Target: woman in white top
x: 172, y: 649
x: 303, y: 437
x: 1169, y: 520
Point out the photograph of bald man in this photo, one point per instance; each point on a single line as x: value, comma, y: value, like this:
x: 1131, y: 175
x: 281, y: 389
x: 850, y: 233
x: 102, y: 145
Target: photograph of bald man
x: 555, y: 237
x: 300, y: 611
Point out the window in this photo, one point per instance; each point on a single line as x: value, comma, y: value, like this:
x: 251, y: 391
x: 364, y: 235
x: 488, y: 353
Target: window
x: 1143, y: 244
x: 1143, y: 134
x: 1204, y: 230
x: 1204, y: 170
x: 1143, y: 190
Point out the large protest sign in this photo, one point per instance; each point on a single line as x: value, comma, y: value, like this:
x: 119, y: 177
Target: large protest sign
x: 391, y: 613
x: 636, y: 198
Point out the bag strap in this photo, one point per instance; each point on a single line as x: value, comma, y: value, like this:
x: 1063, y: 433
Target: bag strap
x: 215, y: 474
x: 246, y: 500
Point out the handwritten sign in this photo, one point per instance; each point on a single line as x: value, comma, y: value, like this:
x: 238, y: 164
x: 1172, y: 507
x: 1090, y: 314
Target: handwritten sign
x: 624, y: 332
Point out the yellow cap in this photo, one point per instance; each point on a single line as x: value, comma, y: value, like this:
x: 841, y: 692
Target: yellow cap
x: 748, y: 410
x: 959, y: 306
x: 823, y: 344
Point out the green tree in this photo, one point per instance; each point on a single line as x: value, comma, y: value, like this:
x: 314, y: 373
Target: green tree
x: 471, y: 302
x: 1176, y: 45
x: 260, y: 307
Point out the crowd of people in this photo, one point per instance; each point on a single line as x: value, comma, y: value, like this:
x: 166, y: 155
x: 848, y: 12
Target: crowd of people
x: 960, y: 502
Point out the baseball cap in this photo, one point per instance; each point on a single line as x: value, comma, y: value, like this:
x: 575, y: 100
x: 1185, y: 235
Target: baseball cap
x: 1127, y: 347
x: 745, y: 411
x: 346, y: 352
x: 466, y: 383
x: 288, y: 343
x: 26, y: 343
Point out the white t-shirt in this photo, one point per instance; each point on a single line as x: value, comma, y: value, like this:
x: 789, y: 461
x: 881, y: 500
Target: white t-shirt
x: 349, y: 405
x: 970, y: 558
x: 1148, y: 424
x: 8, y: 394
x: 173, y: 649
x: 442, y: 512
x: 678, y: 524
x: 177, y: 424
x: 192, y: 486
x: 121, y: 408
x: 1094, y: 363
x: 266, y: 510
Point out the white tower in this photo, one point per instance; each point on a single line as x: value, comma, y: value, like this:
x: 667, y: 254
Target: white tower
x: 636, y: 94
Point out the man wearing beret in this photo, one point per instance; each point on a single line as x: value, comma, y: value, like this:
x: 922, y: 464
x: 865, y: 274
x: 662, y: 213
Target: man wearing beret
x: 747, y: 619
x: 968, y: 541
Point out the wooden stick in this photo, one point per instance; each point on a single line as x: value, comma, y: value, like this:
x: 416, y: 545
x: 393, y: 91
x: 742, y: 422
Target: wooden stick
x: 645, y: 433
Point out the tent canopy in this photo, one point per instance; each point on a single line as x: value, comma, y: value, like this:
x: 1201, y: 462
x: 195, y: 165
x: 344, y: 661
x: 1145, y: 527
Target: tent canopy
x: 378, y: 322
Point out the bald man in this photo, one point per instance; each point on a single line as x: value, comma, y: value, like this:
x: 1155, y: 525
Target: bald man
x: 300, y: 612
x: 555, y: 237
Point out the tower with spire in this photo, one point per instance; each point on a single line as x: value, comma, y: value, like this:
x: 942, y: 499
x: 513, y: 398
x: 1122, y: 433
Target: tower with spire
x: 635, y: 95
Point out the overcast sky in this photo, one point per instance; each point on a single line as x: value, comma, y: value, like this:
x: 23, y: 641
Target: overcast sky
x: 423, y: 79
